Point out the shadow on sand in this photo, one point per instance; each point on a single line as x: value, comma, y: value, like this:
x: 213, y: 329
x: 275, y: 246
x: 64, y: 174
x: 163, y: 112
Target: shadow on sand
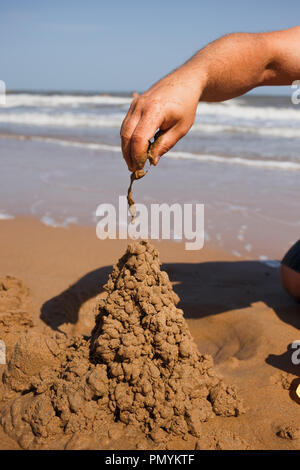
x: 65, y: 307
x: 206, y: 289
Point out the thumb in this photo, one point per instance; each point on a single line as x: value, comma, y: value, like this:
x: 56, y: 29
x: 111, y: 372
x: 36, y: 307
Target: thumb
x: 163, y: 142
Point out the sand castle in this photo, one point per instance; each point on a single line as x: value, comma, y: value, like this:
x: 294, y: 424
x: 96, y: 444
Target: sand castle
x: 140, y: 368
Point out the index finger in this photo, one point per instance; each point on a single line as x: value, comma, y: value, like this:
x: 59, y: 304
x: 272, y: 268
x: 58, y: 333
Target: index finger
x: 129, y: 124
x: 143, y: 133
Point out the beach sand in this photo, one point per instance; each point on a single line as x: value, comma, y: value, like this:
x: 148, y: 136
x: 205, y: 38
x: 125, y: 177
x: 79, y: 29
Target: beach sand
x: 236, y: 311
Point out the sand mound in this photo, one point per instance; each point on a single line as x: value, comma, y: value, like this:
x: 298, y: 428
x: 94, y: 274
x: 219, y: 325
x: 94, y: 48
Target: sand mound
x: 140, y: 368
x: 158, y: 379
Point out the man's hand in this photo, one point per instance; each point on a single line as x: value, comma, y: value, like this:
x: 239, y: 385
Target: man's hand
x: 170, y: 106
x: 226, y: 68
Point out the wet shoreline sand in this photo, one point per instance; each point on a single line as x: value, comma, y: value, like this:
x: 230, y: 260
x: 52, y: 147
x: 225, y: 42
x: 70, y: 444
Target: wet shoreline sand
x: 250, y: 212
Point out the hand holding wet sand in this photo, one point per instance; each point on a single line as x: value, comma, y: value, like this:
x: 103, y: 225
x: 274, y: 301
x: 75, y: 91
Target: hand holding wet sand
x: 170, y: 106
x: 228, y: 67
x: 138, y: 174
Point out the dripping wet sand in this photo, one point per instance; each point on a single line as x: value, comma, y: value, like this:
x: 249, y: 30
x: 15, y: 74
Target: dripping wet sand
x: 234, y: 310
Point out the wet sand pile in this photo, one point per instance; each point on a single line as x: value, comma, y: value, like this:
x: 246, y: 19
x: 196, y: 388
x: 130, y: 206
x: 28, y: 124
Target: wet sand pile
x: 158, y: 379
x: 139, y: 370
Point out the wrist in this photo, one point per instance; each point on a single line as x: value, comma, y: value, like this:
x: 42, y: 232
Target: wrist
x: 188, y: 76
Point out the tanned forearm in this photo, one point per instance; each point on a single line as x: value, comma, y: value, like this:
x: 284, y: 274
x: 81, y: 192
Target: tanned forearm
x: 239, y: 62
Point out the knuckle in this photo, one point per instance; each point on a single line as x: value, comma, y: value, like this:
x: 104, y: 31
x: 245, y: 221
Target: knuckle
x: 139, y: 103
x: 164, y: 148
x: 182, y: 133
x: 183, y: 130
x: 153, y: 110
x: 124, y: 133
x: 132, y: 104
x: 137, y: 138
x: 155, y: 104
x: 125, y: 136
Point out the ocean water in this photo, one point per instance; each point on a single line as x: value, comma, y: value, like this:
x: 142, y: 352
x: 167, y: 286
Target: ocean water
x: 60, y: 157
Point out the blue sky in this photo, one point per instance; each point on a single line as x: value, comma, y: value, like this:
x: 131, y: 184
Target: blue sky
x: 119, y: 45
